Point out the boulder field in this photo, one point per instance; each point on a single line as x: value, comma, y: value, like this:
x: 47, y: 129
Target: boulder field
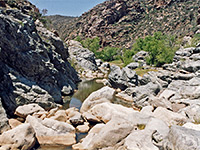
x: 109, y: 126
x: 164, y: 113
x: 35, y: 73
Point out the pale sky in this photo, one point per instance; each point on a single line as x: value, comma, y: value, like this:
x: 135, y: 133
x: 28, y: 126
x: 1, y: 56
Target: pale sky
x: 66, y: 7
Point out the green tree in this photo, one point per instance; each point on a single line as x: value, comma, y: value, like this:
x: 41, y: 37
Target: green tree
x: 78, y: 38
x: 109, y: 53
x: 44, y: 12
x: 92, y: 44
x: 127, y: 56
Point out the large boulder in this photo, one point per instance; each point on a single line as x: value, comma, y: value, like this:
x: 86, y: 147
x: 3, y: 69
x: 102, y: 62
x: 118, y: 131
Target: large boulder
x: 106, y: 111
x: 14, y: 123
x: 185, y: 89
x: 51, y: 132
x: 181, y: 138
x: 105, y: 94
x: 159, y: 102
x: 108, y: 135
x: 151, y: 137
x: 192, y: 112
x: 169, y: 117
x: 141, y: 94
x: 74, y: 116
x: 141, y: 139
x: 122, y: 78
x: 185, y: 51
x: 85, y: 144
x: 191, y: 66
x: 133, y: 65
x: 140, y: 56
x: 25, y: 110
x: 161, y: 77
x: 21, y: 137
x: 83, y: 57
x: 59, y: 115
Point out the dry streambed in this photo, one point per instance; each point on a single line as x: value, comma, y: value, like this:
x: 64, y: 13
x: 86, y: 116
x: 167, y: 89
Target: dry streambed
x: 109, y: 126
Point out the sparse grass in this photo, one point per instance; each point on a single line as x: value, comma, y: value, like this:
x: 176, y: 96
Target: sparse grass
x: 141, y: 71
x: 117, y: 62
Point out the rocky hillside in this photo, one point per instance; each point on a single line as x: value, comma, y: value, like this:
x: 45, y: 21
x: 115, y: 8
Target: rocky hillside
x: 23, y: 5
x: 120, y: 22
x: 60, y: 23
x: 33, y: 61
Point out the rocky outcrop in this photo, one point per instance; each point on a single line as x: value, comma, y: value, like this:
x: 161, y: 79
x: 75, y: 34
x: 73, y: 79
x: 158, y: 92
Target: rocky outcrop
x: 141, y: 94
x: 140, y: 57
x: 174, y: 83
x: 83, y: 57
x: 198, y: 21
x: 33, y: 71
x: 187, y: 59
x: 128, y: 128
x: 122, y: 78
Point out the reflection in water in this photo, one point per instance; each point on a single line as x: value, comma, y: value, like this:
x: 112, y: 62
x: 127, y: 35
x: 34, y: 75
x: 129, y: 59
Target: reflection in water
x: 85, y: 88
x: 75, y: 103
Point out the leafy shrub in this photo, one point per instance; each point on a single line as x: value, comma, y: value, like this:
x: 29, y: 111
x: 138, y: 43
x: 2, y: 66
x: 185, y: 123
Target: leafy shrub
x: 127, y: 56
x: 161, y: 49
x: 92, y: 44
x: 195, y: 39
x: 78, y: 38
x: 109, y: 53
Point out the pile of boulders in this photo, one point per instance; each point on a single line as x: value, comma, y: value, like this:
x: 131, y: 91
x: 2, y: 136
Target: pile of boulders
x: 85, y: 62
x: 109, y: 126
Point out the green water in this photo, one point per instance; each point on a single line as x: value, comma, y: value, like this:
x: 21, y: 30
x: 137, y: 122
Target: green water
x: 85, y: 88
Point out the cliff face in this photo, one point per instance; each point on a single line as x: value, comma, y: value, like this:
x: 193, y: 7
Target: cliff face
x: 120, y: 22
x: 34, y: 67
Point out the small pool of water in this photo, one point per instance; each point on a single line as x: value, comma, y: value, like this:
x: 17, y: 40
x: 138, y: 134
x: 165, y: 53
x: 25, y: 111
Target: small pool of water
x: 85, y: 88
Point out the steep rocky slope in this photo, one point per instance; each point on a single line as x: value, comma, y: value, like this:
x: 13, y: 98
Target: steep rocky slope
x: 33, y: 61
x: 120, y: 22
x: 60, y: 23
